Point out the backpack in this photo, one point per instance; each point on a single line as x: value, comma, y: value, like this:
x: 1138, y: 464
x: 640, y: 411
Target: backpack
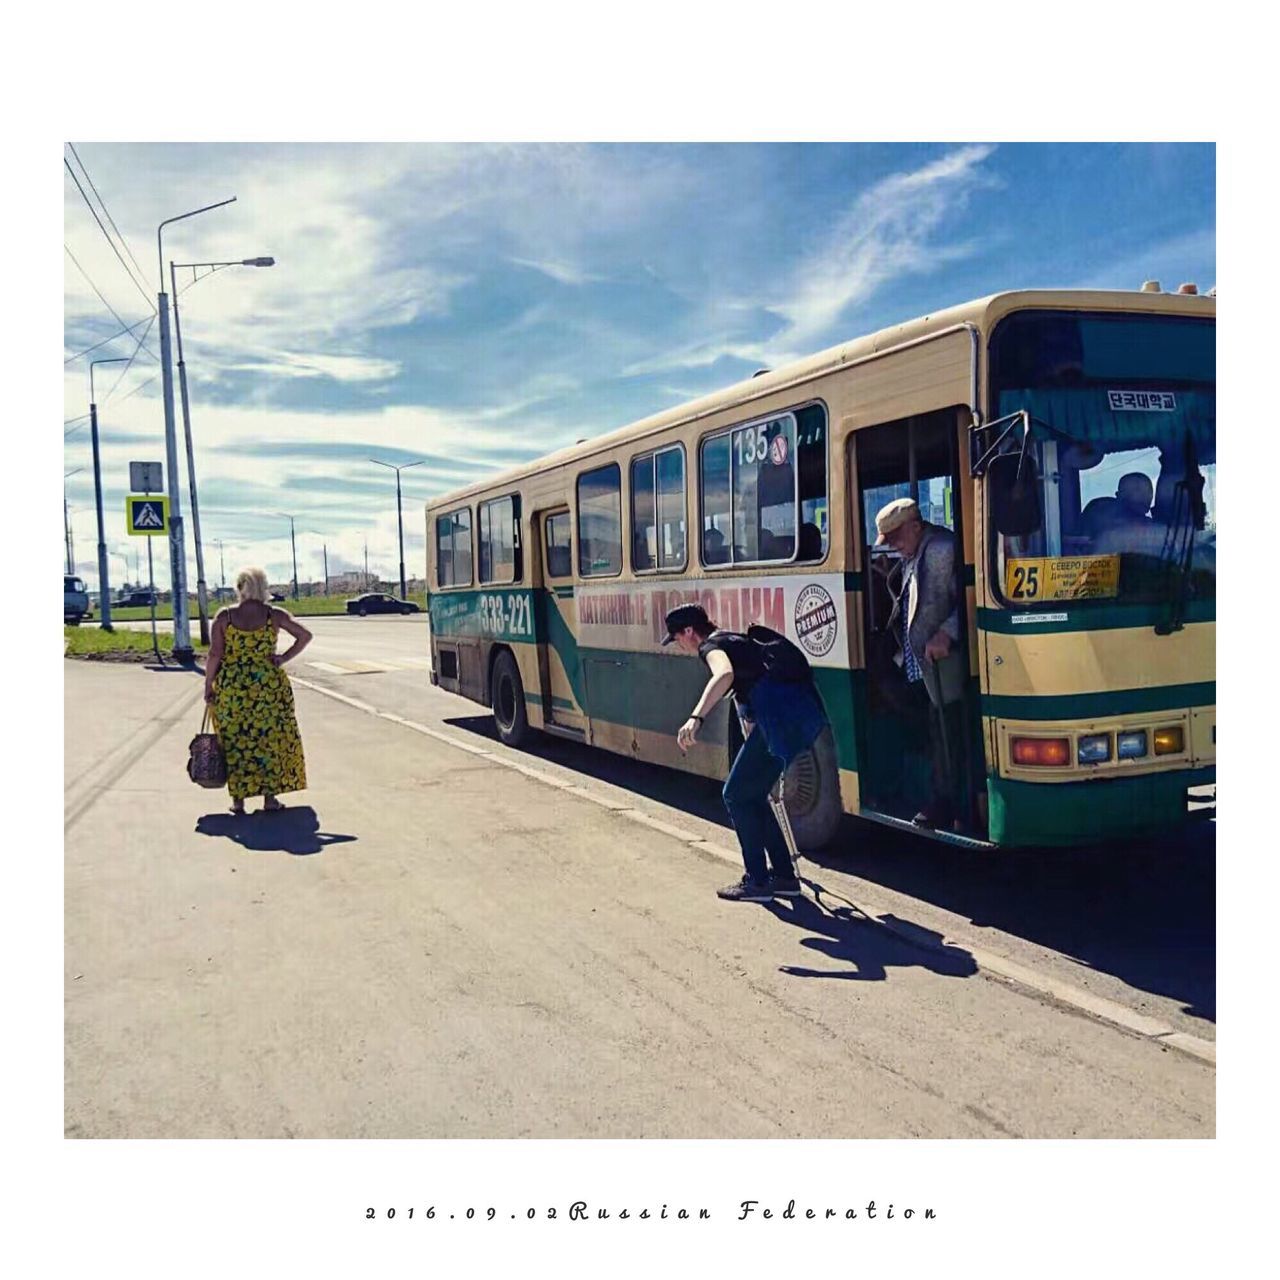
x: 782, y: 659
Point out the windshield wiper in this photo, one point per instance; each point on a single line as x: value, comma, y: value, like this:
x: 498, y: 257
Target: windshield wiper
x: 1179, y: 542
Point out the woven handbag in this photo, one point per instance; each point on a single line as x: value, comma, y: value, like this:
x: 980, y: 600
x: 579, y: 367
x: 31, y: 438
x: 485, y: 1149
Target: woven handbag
x: 207, y: 766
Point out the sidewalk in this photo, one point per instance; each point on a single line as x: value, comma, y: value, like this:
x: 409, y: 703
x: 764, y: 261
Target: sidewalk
x: 431, y: 946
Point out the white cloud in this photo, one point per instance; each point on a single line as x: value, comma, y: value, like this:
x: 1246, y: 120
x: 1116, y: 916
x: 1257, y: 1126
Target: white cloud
x: 890, y: 231
x: 561, y: 272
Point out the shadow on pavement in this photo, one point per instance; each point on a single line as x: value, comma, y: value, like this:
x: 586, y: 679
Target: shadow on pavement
x: 1142, y: 910
x: 862, y: 951
x: 295, y: 831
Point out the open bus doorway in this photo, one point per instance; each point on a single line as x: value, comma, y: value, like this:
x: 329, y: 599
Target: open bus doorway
x: 900, y: 754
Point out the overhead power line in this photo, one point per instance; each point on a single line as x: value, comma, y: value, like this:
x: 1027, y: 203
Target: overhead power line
x: 103, y: 300
x: 106, y: 234
x: 129, y: 364
x: 107, y: 211
x: 149, y: 321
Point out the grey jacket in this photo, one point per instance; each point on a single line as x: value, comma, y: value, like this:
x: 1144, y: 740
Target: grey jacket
x: 930, y: 591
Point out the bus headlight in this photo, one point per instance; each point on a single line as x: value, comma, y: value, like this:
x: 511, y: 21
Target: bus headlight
x: 1094, y: 748
x: 1168, y: 742
x: 1045, y: 752
x: 1131, y: 746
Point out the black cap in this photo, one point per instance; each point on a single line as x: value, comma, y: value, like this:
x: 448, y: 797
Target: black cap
x: 686, y: 615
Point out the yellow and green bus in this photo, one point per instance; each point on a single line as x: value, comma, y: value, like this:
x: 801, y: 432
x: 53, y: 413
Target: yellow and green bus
x: 1035, y: 425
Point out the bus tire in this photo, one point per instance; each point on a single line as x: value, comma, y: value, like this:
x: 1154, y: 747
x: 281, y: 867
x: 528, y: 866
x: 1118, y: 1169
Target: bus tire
x: 507, y: 697
x: 811, y: 790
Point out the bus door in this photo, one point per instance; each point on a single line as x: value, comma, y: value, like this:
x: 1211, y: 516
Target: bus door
x: 915, y: 457
x: 556, y: 623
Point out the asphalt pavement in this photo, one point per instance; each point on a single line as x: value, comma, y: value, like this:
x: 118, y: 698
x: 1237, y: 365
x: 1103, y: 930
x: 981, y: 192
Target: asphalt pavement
x: 443, y: 938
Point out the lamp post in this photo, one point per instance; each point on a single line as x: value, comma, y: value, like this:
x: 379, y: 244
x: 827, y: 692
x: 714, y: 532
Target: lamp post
x: 399, y: 515
x: 202, y: 591
x: 104, y: 587
x: 182, y: 651
x: 294, y: 540
x: 66, y: 518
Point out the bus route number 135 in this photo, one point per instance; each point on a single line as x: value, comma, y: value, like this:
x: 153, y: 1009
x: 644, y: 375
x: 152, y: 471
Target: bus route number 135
x: 506, y: 615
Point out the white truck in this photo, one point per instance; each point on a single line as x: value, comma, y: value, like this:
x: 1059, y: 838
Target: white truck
x: 75, y: 599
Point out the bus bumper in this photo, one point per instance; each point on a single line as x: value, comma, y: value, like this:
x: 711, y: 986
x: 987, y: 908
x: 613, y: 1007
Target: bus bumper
x: 1071, y: 813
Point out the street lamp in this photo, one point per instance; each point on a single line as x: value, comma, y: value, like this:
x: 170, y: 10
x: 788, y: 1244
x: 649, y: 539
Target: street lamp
x: 399, y: 516
x: 182, y: 650
x: 66, y: 518
x: 202, y: 591
x: 104, y: 587
x: 293, y: 539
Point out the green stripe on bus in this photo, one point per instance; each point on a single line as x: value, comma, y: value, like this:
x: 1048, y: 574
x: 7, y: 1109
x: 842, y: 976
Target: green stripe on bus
x: 1089, y: 706
x: 1098, y: 617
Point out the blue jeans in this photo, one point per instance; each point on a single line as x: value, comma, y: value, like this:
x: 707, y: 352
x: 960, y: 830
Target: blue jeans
x: 746, y: 796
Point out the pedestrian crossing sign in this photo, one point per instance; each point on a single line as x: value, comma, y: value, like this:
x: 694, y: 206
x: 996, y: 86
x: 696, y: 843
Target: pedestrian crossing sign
x: 146, y: 515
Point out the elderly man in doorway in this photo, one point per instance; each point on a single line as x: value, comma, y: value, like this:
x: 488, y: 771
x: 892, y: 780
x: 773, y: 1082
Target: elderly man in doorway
x: 925, y: 622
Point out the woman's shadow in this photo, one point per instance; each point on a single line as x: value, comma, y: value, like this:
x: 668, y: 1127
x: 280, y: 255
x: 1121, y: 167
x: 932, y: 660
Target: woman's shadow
x: 291, y: 830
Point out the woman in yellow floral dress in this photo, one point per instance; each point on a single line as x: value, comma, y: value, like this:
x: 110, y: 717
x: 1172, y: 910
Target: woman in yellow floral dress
x: 251, y: 697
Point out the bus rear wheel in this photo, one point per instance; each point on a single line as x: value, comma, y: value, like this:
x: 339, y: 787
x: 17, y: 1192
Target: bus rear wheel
x: 811, y: 790
x: 509, y: 714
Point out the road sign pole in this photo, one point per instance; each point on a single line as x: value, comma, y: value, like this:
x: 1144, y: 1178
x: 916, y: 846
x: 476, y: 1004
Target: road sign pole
x: 104, y: 586
x: 182, y: 650
x: 151, y: 575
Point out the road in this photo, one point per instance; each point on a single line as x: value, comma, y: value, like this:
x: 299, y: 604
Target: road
x: 469, y: 950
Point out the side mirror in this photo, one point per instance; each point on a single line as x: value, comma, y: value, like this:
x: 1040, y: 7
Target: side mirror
x: 1015, y: 498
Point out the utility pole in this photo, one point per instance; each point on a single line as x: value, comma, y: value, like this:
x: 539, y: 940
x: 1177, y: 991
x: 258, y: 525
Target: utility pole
x: 202, y: 595
x: 293, y: 539
x: 104, y: 586
x: 66, y: 519
x: 182, y: 650
x: 223, y: 563
x: 399, y: 513
x: 202, y: 591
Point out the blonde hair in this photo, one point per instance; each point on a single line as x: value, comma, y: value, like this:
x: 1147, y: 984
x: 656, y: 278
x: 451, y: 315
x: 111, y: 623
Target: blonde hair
x: 251, y: 584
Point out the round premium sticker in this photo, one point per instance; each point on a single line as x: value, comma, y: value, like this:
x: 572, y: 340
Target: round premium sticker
x: 816, y: 619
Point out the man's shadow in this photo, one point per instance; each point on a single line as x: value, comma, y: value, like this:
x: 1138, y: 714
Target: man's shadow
x: 862, y: 949
x: 295, y: 831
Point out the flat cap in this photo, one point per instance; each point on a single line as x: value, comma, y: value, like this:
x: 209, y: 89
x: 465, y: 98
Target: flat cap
x: 893, y: 515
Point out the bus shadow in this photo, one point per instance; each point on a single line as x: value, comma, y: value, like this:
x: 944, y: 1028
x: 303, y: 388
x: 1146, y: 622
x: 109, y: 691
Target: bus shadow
x: 1142, y: 911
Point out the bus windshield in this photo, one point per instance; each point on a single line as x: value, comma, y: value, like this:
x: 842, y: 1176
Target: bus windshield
x: 1121, y: 454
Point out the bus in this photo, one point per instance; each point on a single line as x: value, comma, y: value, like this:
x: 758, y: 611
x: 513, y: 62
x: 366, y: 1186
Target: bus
x: 1026, y: 423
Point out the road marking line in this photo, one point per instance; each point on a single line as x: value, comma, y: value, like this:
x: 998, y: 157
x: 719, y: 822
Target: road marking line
x: 329, y: 667
x: 1098, y: 1007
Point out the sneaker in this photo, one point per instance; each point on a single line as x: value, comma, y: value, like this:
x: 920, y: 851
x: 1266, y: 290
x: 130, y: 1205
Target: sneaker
x: 745, y: 890
x: 785, y: 886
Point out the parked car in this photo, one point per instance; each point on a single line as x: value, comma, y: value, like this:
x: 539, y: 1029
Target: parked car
x: 377, y: 602
x: 276, y: 596
x: 75, y: 599
x: 143, y: 599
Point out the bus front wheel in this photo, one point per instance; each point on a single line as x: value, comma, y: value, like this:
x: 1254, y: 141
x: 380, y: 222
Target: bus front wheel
x: 509, y: 714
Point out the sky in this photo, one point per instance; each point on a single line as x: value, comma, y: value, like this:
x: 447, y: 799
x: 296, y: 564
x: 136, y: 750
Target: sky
x: 474, y: 306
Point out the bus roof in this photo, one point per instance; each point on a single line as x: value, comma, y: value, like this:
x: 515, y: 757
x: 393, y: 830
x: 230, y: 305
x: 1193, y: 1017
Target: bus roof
x: 982, y: 313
